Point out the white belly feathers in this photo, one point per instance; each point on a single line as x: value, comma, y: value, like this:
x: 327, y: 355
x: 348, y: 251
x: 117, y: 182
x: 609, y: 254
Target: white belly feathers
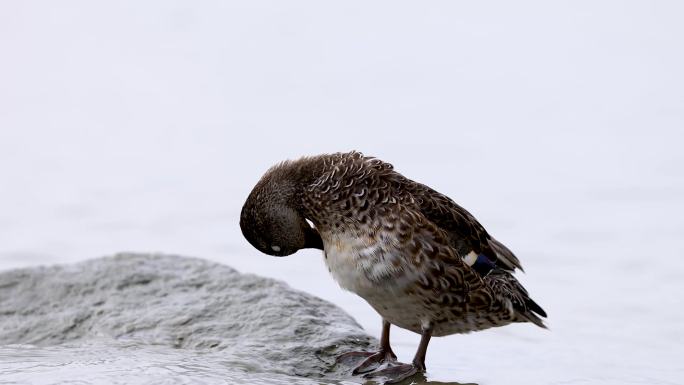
x: 375, y: 270
x: 366, y: 265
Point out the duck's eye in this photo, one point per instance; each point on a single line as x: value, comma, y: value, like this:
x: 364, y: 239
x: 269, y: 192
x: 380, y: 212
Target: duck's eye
x: 275, y: 248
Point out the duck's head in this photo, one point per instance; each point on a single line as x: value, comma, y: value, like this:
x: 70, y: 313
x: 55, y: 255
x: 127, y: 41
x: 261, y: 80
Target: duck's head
x: 272, y: 222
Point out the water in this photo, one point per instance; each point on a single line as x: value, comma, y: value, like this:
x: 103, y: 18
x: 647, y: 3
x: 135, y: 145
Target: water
x: 558, y: 125
x: 133, y: 363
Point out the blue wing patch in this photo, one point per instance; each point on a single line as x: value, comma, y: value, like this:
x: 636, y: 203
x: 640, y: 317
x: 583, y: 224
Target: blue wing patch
x: 483, y: 265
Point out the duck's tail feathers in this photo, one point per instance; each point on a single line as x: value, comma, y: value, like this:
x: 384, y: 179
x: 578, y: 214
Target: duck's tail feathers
x: 533, y: 312
x: 504, y: 286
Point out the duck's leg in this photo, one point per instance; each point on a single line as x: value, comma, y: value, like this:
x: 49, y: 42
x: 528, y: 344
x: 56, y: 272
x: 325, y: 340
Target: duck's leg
x: 373, y: 360
x: 384, y: 355
x: 419, y: 359
x: 398, y: 373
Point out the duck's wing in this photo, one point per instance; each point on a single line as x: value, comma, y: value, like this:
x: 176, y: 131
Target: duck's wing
x: 491, y: 260
x: 465, y: 233
x: 447, y: 274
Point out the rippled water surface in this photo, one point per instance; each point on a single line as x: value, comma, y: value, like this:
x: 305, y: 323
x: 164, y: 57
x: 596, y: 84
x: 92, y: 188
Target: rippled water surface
x: 131, y: 363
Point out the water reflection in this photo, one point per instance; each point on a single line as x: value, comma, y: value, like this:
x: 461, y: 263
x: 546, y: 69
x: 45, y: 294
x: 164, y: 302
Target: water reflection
x: 421, y: 379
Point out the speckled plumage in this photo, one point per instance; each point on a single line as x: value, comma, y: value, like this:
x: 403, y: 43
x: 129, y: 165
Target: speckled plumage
x: 419, y: 259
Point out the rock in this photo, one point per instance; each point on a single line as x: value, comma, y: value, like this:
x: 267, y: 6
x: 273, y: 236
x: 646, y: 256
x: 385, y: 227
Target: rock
x: 181, y: 303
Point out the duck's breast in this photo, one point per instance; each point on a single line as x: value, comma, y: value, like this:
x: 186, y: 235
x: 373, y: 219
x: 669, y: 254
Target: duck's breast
x: 363, y: 263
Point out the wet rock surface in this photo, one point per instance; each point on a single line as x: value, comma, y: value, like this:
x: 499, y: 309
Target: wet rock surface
x: 136, y: 318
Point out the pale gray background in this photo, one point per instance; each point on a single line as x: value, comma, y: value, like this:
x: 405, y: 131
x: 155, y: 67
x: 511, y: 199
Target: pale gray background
x: 130, y: 125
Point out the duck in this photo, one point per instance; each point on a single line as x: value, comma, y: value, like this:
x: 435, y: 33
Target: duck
x: 420, y: 260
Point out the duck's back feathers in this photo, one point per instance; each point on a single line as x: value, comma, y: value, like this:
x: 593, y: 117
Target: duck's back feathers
x: 376, y: 182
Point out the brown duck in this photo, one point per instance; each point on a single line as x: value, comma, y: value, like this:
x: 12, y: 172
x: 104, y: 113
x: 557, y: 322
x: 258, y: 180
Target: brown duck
x: 420, y: 260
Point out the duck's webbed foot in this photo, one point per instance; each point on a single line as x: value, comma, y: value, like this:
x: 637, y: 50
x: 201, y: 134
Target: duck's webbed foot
x: 396, y: 372
x: 371, y: 361
x: 393, y: 374
x: 374, y: 361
